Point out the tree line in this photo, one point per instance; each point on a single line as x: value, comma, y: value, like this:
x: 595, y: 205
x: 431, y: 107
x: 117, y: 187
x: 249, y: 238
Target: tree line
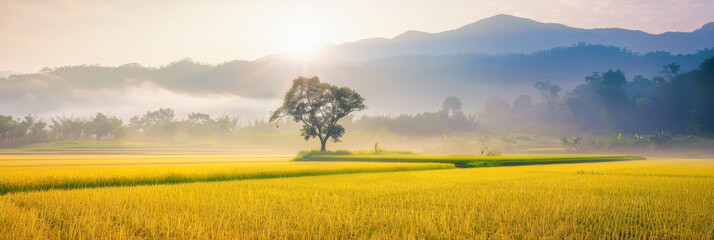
x: 154, y: 125
x: 675, y: 102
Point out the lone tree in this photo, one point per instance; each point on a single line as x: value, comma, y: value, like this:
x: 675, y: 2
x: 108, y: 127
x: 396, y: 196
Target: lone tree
x: 319, y: 106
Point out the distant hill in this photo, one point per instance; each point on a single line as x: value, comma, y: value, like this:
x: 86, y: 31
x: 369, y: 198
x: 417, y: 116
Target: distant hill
x: 7, y: 73
x: 398, y: 84
x: 505, y: 34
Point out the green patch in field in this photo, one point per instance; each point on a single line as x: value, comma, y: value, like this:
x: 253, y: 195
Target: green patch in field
x: 472, y: 161
x: 378, y: 152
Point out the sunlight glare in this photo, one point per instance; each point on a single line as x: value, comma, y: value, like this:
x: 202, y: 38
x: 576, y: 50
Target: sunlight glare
x: 304, y: 45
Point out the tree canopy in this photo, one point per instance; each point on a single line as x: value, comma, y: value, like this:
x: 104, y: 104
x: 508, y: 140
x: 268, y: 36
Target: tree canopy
x: 319, y: 106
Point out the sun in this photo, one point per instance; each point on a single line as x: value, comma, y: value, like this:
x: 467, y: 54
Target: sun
x: 304, y: 45
x: 301, y: 31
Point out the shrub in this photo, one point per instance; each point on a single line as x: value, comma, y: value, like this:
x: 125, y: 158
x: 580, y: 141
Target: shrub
x: 695, y: 154
x: 309, y: 153
x: 494, y: 152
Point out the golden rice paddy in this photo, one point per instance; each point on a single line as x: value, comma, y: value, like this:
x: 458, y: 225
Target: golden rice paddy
x: 642, y: 199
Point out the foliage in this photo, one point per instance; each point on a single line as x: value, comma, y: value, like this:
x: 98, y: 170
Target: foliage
x: 494, y: 152
x: 549, y: 91
x: 654, y: 141
x: 509, y: 141
x: 159, y: 124
x: 494, y: 111
x: 307, y: 154
x: 102, y: 126
x: 155, y: 124
x: 674, y: 103
x: 679, y: 102
x: 15, y: 132
x: 570, y: 143
x: 695, y: 154
x: 703, y: 112
x: 470, y: 145
x: 319, y: 107
x: 657, y: 113
x: 449, y: 119
x: 28, y: 130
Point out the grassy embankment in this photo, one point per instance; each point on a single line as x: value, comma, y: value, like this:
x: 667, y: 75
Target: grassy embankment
x: 460, y: 161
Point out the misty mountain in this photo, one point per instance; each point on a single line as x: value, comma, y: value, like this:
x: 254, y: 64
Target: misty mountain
x: 4, y: 74
x: 400, y: 84
x: 402, y: 80
x: 505, y: 34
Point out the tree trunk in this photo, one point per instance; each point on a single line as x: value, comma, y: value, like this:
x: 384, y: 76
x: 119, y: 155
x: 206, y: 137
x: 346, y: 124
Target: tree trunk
x: 323, y: 142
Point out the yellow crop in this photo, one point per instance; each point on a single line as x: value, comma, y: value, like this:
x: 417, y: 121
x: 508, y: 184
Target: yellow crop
x: 104, y: 171
x: 114, y: 160
x: 638, y: 199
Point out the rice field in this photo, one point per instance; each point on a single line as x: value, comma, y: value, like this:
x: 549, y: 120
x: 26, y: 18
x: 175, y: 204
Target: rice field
x: 644, y: 199
x: 31, y: 173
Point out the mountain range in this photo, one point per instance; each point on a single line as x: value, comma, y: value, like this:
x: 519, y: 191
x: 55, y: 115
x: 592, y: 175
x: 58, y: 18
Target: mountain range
x: 499, y: 56
x: 7, y: 73
x: 506, y: 34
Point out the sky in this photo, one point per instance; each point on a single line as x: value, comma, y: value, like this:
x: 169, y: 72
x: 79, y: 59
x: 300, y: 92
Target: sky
x: 37, y: 33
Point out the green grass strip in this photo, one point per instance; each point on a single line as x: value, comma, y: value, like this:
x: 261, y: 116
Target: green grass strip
x: 475, y: 161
